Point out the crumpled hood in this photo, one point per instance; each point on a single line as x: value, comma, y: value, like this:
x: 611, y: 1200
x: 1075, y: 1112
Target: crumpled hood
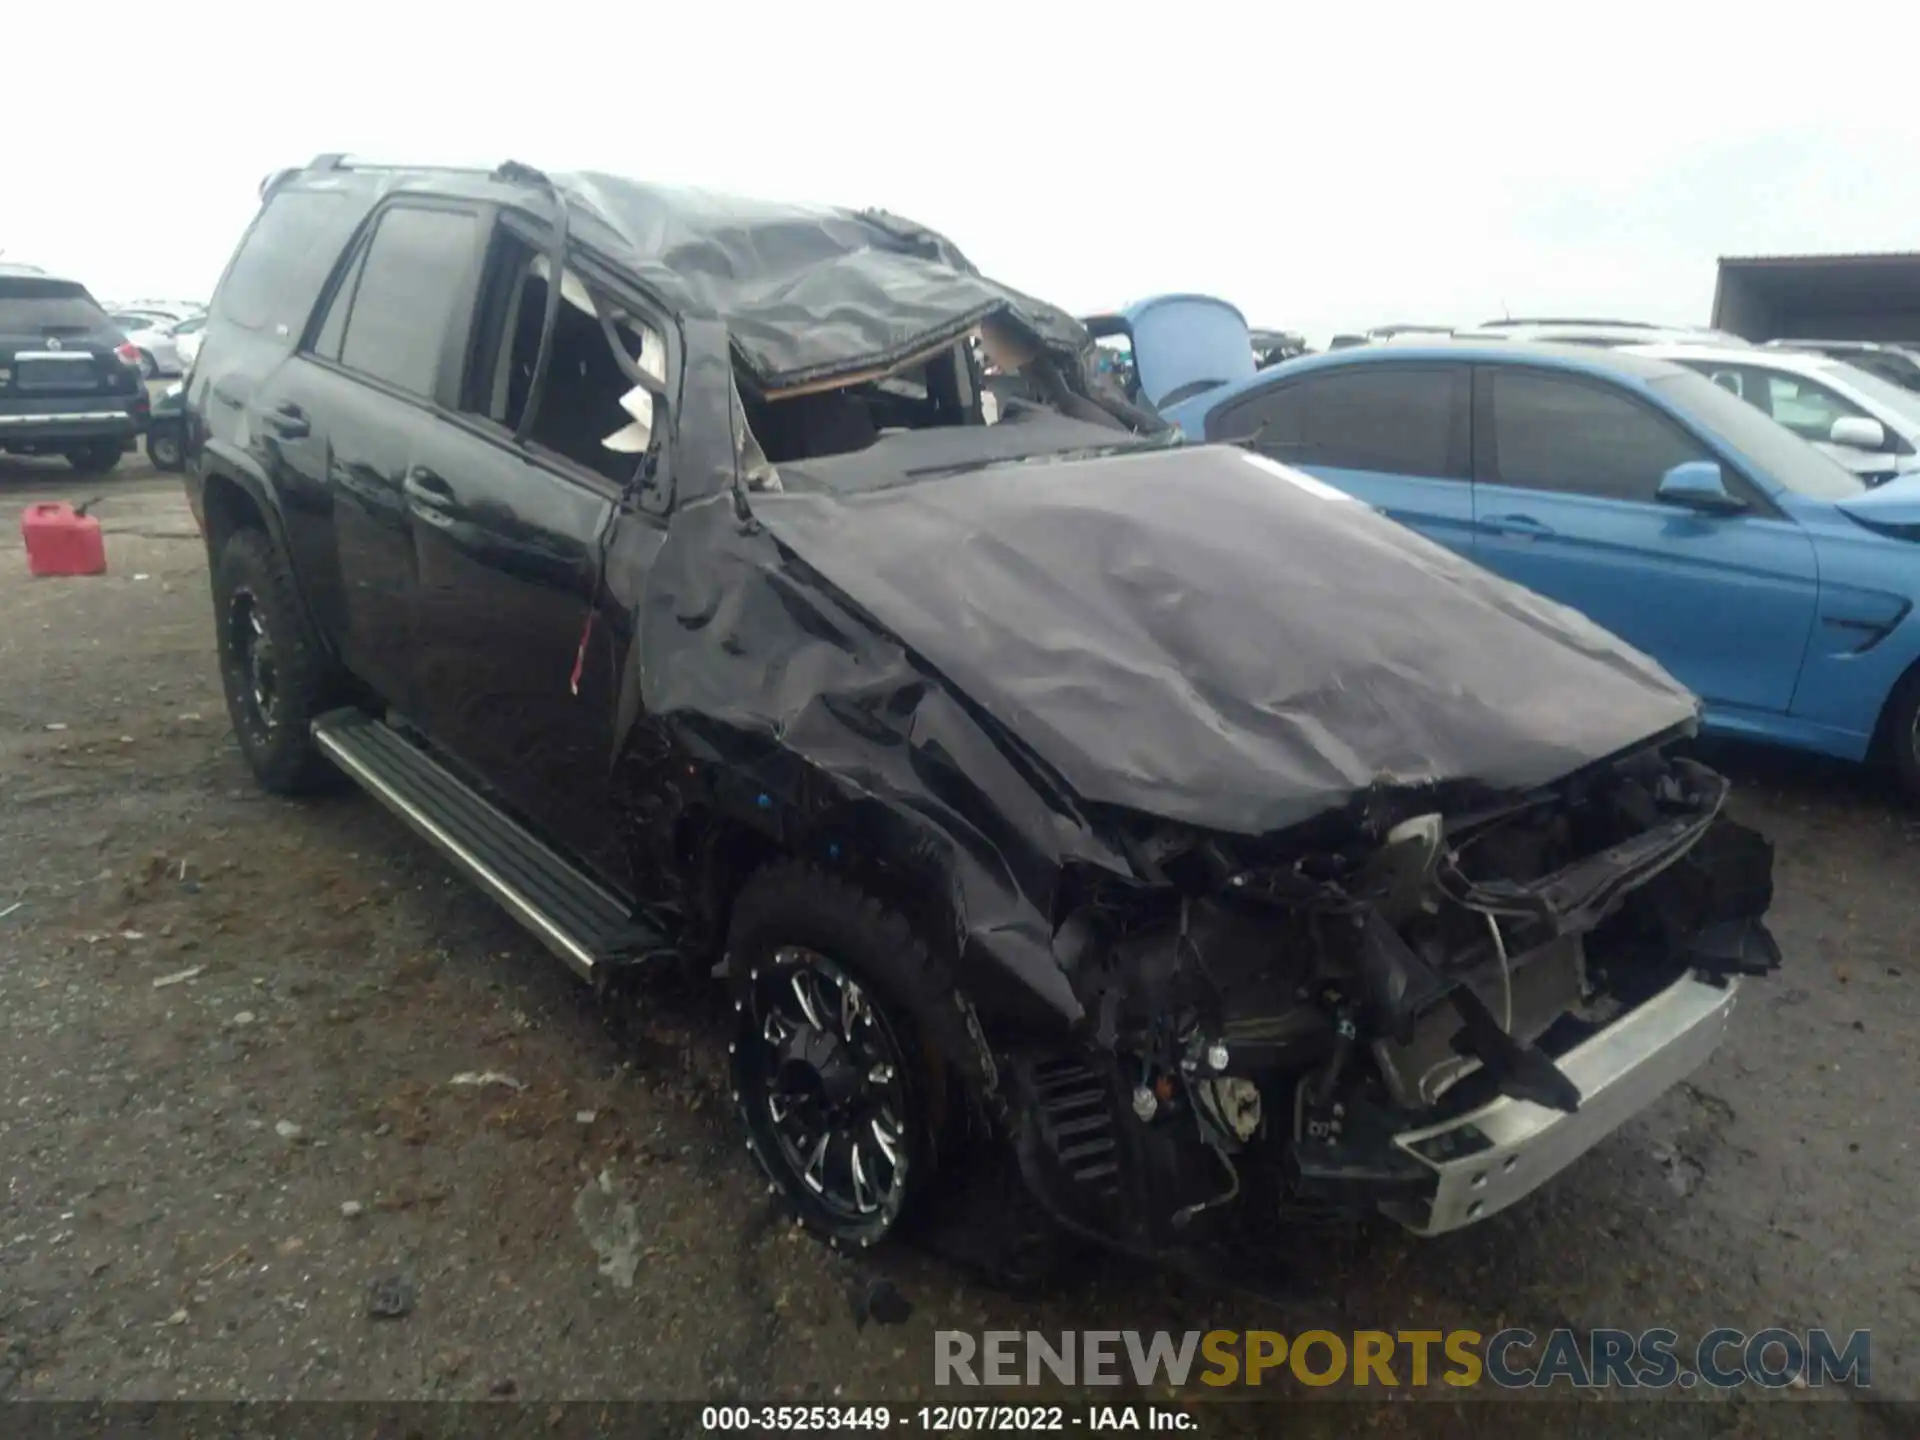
x: 1202, y: 635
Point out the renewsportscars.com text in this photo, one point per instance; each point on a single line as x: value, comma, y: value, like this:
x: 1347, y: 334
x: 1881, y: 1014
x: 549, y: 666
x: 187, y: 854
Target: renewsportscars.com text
x: 1722, y: 1359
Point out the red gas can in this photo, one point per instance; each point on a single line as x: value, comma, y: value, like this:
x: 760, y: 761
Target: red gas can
x: 62, y: 541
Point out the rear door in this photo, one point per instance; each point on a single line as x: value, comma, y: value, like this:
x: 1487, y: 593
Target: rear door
x: 339, y: 421
x: 1392, y: 434
x: 1567, y: 470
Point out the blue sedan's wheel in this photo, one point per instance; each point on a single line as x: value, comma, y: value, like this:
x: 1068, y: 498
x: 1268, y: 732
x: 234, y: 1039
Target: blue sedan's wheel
x: 1902, y: 734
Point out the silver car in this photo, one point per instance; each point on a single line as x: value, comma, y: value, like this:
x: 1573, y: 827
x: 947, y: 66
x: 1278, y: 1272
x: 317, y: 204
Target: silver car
x: 186, y: 340
x: 154, y: 336
x: 148, y: 334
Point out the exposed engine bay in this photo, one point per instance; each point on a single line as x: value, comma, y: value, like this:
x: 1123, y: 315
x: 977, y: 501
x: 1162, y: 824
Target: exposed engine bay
x: 1269, y: 1025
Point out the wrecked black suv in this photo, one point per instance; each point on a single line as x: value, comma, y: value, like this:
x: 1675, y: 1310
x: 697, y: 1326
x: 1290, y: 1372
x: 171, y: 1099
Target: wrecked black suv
x: 1137, y: 830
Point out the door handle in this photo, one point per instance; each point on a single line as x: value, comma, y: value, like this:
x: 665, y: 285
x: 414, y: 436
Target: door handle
x: 429, y: 496
x: 289, y: 421
x: 1521, y: 527
x: 427, y: 487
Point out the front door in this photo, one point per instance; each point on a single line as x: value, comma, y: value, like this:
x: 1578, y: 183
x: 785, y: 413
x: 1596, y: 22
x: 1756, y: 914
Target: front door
x: 522, y: 647
x: 1567, y: 470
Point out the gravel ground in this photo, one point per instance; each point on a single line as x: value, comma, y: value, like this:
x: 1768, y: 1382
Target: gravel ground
x: 267, y: 1068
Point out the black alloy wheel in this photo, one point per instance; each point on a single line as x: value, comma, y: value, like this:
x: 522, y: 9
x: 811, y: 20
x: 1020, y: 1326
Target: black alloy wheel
x: 826, y: 1087
x: 250, y: 652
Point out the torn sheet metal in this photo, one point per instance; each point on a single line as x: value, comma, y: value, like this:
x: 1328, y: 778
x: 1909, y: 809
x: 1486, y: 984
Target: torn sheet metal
x: 809, y: 291
x: 809, y: 294
x: 956, y: 651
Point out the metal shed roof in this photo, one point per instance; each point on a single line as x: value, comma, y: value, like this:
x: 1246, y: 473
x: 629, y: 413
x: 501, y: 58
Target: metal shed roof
x: 1886, y: 283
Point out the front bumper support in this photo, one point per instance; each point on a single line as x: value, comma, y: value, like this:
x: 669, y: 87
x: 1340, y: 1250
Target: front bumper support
x: 1490, y: 1157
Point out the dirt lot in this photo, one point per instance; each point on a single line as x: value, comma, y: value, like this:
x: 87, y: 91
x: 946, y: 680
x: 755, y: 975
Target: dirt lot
x: 234, y: 1100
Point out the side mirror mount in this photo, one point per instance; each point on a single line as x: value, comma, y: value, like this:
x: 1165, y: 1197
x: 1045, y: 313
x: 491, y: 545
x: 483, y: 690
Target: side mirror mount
x: 1859, y: 432
x: 1699, y: 485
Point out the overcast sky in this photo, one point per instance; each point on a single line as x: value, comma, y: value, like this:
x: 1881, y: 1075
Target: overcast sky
x: 1438, y: 162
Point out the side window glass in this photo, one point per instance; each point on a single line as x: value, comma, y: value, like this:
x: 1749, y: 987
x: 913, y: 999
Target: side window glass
x: 1267, y: 420
x: 410, y: 288
x: 1578, y: 437
x: 1388, y: 419
x: 592, y: 411
x: 1805, y: 408
x: 276, y: 274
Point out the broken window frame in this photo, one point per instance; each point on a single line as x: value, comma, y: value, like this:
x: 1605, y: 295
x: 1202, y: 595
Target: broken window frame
x: 961, y: 389
x: 614, y: 298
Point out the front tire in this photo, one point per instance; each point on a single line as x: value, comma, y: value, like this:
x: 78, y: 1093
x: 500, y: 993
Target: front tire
x: 845, y: 1060
x: 149, y: 367
x: 271, y: 667
x: 1902, y: 734
x: 95, y: 459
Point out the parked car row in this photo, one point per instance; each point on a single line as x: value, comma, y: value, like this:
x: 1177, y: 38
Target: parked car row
x: 1856, y: 400
x: 1898, y: 363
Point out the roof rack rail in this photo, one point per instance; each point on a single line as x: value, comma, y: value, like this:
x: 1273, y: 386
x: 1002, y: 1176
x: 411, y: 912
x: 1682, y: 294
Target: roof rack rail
x: 341, y: 160
x: 1576, y: 320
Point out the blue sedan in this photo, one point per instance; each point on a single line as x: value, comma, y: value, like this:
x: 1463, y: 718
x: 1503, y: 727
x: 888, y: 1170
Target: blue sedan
x: 1762, y: 574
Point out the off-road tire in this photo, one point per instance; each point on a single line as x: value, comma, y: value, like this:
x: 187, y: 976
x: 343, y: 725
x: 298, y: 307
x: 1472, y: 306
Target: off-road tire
x: 793, y: 904
x: 95, y: 459
x: 1902, y: 734
x: 281, y: 753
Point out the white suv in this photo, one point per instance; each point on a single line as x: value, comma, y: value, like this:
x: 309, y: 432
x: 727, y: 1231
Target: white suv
x: 1611, y: 334
x: 1868, y: 424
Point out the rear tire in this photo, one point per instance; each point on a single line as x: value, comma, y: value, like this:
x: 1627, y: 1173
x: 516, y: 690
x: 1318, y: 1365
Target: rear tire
x: 149, y: 367
x: 163, y: 448
x: 850, y: 1052
x: 96, y: 459
x: 271, y: 667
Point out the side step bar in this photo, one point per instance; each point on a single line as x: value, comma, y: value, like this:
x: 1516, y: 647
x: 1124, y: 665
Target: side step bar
x: 574, y: 916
